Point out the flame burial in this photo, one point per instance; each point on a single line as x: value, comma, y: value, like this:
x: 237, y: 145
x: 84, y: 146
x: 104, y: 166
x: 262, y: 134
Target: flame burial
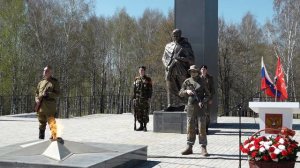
x: 56, y: 130
x: 53, y: 128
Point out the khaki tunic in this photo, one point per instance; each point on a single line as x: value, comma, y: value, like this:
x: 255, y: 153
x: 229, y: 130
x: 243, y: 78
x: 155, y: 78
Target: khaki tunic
x: 51, y: 86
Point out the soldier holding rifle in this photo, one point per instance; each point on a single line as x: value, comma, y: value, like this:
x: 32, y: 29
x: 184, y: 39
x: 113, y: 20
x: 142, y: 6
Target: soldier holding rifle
x: 45, y: 98
x: 177, y: 58
x: 197, y: 92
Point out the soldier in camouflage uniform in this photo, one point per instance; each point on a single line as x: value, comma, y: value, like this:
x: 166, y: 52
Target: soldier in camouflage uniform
x: 177, y: 58
x: 142, y: 92
x: 45, y: 96
x: 196, y: 90
x: 210, y: 85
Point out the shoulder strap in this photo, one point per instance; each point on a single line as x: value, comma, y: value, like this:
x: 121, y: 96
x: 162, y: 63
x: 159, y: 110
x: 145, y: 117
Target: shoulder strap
x: 45, y: 86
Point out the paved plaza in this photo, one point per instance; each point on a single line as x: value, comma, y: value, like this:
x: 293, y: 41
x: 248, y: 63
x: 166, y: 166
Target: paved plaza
x: 163, y: 148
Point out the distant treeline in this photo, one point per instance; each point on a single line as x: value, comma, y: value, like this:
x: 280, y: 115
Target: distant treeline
x: 93, y: 55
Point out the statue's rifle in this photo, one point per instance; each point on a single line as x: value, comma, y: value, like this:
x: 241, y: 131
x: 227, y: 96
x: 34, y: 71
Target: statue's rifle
x: 172, y: 62
x: 174, y: 56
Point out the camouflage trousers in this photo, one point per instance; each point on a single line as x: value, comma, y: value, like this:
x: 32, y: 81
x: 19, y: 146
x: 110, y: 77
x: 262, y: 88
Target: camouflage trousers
x: 192, y: 123
x: 141, y: 110
x: 207, y: 114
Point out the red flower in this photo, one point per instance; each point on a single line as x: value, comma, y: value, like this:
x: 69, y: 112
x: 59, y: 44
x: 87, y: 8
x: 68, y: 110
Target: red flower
x: 256, y: 142
x: 284, y: 153
x: 247, y: 141
x: 276, y: 148
x: 245, y: 150
x: 293, y: 145
x: 266, y: 158
x: 277, y: 138
x: 290, y: 150
x: 273, y: 155
x: 271, y: 149
x: 253, y: 154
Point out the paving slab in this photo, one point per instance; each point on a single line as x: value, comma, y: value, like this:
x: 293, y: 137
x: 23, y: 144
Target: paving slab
x: 164, y: 149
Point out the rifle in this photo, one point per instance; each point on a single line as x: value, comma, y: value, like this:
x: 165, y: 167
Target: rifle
x: 192, y: 87
x: 37, y: 106
x: 134, y: 106
x: 172, y: 62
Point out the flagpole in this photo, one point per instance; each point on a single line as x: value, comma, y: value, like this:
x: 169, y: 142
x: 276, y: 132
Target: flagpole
x: 275, y: 94
x: 275, y: 79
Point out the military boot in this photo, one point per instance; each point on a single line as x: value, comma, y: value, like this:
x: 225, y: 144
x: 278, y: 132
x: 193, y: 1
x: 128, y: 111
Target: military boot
x: 141, y: 128
x: 145, y: 127
x: 204, y: 150
x: 42, y: 134
x: 188, y: 150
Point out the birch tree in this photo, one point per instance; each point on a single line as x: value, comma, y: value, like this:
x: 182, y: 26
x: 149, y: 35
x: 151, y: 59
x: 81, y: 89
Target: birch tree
x: 284, y: 35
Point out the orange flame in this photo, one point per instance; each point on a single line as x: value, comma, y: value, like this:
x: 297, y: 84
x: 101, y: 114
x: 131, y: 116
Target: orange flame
x: 53, y: 128
x: 60, y: 128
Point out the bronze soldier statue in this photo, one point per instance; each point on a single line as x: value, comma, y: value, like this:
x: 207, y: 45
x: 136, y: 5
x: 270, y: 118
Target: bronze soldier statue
x: 45, y: 98
x: 210, y: 85
x: 177, y: 58
x: 197, y: 92
x: 142, y: 92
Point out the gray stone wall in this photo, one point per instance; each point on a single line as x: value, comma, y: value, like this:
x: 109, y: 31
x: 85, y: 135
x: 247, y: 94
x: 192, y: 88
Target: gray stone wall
x: 198, y: 20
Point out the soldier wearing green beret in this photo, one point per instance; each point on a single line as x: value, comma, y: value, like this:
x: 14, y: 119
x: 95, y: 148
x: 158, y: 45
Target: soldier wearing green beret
x: 45, y: 98
x: 209, y: 80
x: 142, y: 92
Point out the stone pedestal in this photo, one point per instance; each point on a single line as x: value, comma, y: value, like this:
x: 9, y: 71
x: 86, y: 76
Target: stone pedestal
x: 169, y: 122
x: 275, y: 115
x: 46, y: 154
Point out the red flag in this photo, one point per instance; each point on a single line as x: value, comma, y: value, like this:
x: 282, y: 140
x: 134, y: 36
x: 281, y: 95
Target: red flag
x: 280, y: 83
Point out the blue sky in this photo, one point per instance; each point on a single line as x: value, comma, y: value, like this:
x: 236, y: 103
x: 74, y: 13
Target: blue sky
x: 231, y: 10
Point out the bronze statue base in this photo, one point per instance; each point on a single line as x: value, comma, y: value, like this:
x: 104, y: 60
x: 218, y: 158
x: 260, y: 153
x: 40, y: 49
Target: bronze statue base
x: 172, y: 108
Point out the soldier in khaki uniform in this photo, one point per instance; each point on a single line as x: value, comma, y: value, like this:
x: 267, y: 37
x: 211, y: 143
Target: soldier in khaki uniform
x: 142, y: 92
x: 196, y: 90
x: 177, y: 58
x: 210, y: 85
x: 45, y: 97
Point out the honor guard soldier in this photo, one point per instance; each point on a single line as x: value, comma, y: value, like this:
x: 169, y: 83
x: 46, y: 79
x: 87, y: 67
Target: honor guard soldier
x: 142, y: 92
x: 209, y: 80
x: 45, y: 98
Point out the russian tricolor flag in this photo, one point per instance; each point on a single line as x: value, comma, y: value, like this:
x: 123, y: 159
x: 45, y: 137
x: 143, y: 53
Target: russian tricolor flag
x: 266, y: 83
